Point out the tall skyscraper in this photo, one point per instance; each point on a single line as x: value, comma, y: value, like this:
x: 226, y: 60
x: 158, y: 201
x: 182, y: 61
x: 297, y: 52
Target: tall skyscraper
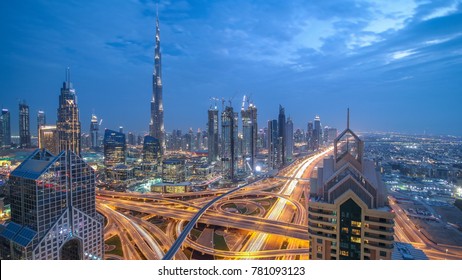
x: 5, y: 128
x: 289, y: 143
x: 41, y: 120
x: 317, y: 133
x: 249, y: 134
x: 24, y: 125
x: 229, y: 140
x: 212, y: 133
x: 53, y: 210
x: 348, y: 215
x: 281, y: 136
x: 310, y: 135
x: 156, y: 126
x: 94, y: 132
x: 68, y: 124
x: 151, y: 150
x: 48, y: 138
x: 272, y: 144
x: 114, y: 148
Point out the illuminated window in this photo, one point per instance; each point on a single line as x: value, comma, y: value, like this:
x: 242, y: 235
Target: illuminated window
x: 344, y: 253
x: 355, y: 239
x: 356, y: 231
x: 344, y: 229
x: 319, y: 248
x: 355, y: 224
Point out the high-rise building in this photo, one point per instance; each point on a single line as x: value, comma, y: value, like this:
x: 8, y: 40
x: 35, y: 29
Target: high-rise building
x: 24, y: 125
x: 212, y: 133
x: 114, y: 148
x: 317, y: 133
x: 199, y: 139
x: 281, y: 136
x: 156, y: 126
x: 131, y: 139
x: 151, y: 150
x: 94, y: 132
x: 53, y: 210
x: 68, y: 124
x: 41, y: 120
x: 5, y: 128
x: 330, y: 134
x: 249, y: 135
x: 229, y: 133
x: 289, y: 143
x: 173, y: 170
x: 348, y: 215
x: 310, y: 135
x: 48, y: 139
x: 272, y: 144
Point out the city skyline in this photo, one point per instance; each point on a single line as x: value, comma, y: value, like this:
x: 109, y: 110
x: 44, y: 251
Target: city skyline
x: 407, y: 55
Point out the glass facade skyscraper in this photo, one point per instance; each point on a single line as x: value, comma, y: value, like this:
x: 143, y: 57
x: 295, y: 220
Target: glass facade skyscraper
x: 114, y: 147
x: 68, y: 124
x: 229, y: 134
x: 53, y: 210
x: 212, y: 134
x: 94, y: 132
x: 5, y: 128
x: 151, y: 150
x: 249, y: 135
x: 24, y: 125
x: 41, y: 120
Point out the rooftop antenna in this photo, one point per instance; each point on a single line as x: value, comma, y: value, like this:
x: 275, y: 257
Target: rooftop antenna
x: 348, y: 118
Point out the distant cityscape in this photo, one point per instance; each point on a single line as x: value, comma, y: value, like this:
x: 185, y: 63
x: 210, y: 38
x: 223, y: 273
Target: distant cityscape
x: 228, y: 190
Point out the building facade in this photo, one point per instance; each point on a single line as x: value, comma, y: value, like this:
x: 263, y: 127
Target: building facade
x: 289, y: 143
x: 48, y: 139
x: 212, y: 134
x: 115, y: 148
x: 68, y: 123
x: 53, y: 210
x: 249, y: 136
x: 348, y: 215
x: 229, y: 140
x: 5, y: 128
x: 272, y: 144
x: 156, y: 126
x: 24, y: 125
x: 94, y: 132
x: 41, y: 120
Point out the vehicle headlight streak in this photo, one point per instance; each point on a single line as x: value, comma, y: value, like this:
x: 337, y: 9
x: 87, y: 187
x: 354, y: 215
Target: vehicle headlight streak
x: 257, y: 240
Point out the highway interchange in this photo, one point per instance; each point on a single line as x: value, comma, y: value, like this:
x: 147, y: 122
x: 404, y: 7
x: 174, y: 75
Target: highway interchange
x: 277, y: 231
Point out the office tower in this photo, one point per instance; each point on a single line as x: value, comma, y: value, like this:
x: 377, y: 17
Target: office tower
x: 5, y: 128
x: 249, y: 134
x: 272, y: 144
x: 121, y: 129
x: 190, y: 140
x: 309, y: 135
x: 229, y: 140
x: 53, y: 211
x: 289, y: 143
x: 282, y: 136
x: 212, y: 134
x: 331, y: 134
x: 156, y: 126
x: 41, y: 120
x: 114, y: 148
x: 151, y: 150
x: 348, y: 217
x: 299, y: 136
x: 131, y: 139
x: 199, y: 139
x: 173, y: 171
x: 317, y: 133
x: 68, y: 124
x: 94, y: 132
x: 24, y: 125
x: 48, y: 139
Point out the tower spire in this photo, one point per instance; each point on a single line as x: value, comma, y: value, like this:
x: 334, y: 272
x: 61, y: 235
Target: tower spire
x: 348, y: 118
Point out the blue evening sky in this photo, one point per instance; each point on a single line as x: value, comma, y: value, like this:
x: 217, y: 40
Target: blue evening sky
x: 396, y: 64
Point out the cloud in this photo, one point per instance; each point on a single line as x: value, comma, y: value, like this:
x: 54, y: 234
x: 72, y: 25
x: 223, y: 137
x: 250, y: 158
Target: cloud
x: 443, y: 11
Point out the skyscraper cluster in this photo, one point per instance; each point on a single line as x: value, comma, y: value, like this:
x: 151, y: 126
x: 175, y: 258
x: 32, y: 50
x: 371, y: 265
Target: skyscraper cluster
x: 280, y: 141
